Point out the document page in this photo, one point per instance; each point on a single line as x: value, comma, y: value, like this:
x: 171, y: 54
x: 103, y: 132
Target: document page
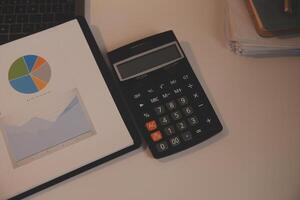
x: 56, y: 112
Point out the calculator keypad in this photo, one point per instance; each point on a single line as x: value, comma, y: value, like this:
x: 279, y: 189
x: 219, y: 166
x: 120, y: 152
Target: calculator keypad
x: 176, y: 114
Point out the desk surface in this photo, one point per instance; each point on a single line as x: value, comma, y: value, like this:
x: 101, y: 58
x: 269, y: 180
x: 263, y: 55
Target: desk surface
x: 258, y: 101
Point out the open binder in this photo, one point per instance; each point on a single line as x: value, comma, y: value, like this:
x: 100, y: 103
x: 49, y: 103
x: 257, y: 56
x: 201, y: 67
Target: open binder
x: 59, y: 101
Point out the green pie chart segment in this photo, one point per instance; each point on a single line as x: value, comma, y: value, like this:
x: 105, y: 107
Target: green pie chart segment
x: 18, y: 69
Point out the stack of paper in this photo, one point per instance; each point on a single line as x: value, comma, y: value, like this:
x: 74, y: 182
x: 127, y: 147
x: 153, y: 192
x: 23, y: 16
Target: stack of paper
x: 243, y: 39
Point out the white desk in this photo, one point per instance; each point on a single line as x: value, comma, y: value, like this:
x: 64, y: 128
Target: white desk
x: 258, y: 154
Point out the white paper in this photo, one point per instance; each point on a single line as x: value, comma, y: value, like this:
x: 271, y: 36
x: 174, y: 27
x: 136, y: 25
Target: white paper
x: 72, y: 67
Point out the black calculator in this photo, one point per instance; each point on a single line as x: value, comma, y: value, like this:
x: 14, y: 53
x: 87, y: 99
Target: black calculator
x: 167, y: 103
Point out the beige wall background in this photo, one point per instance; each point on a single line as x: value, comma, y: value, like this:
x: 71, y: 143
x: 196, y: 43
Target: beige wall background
x: 258, y: 100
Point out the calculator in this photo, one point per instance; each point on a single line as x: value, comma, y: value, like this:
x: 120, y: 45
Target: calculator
x: 167, y: 103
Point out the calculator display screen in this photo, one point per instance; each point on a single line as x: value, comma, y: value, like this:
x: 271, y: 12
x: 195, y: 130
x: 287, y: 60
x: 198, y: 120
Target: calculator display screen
x: 148, y: 61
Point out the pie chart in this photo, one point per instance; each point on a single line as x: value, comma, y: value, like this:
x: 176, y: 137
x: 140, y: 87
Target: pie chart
x: 29, y: 74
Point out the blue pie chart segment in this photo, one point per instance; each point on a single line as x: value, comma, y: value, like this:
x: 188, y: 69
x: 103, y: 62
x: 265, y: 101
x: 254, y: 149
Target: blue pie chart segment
x: 24, y: 85
x: 30, y: 61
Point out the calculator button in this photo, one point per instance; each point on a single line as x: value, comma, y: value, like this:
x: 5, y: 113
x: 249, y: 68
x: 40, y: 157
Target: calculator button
x: 187, y: 111
x: 173, y: 82
x: 150, y: 91
x: 181, y: 126
x: 177, y: 91
x: 171, y: 105
x: 166, y: 95
x: 193, y: 121
x: 159, y: 110
x: 196, y: 95
x: 141, y: 105
x: 151, y: 125
x: 198, y: 131
x: 176, y: 115
x: 190, y: 85
x: 162, y: 86
x: 164, y: 120
x: 162, y: 146
x: 186, y: 136
x: 208, y: 120
x: 182, y: 101
x: 156, y: 136
x: 185, y: 77
x: 154, y: 100
x: 146, y: 115
x: 175, y: 141
x: 137, y: 96
x: 201, y: 105
x: 169, y: 130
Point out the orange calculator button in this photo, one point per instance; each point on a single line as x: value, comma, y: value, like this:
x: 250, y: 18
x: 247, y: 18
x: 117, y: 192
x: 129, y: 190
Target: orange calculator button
x: 156, y: 136
x: 151, y: 125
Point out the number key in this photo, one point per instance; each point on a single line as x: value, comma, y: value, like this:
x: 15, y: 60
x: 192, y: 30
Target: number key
x: 169, y: 130
x: 159, y: 110
x: 182, y: 101
x: 181, y: 126
x: 171, y: 105
x: 187, y: 111
x: 175, y: 141
x: 193, y: 120
x: 162, y: 146
x: 176, y: 115
x: 164, y: 120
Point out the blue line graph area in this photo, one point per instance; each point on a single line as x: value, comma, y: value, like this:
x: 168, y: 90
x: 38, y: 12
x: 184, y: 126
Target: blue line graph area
x: 38, y: 135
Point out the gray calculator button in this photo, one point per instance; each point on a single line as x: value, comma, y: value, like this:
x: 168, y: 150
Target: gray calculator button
x: 154, y: 100
x: 181, y: 126
x: 198, y: 131
x: 176, y: 115
x: 183, y: 101
x: 166, y: 95
x: 187, y: 111
x: 162, y: 146
x: 186, y: 136
x: 137, y: 95
x: 175, y: 141
x: 164, y: 120
x: 171, y: 105
x: 185, y: 77
x: 177, y: 91
x: 170, y: 130
x: 193, y: 120
x: 159, y: 110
